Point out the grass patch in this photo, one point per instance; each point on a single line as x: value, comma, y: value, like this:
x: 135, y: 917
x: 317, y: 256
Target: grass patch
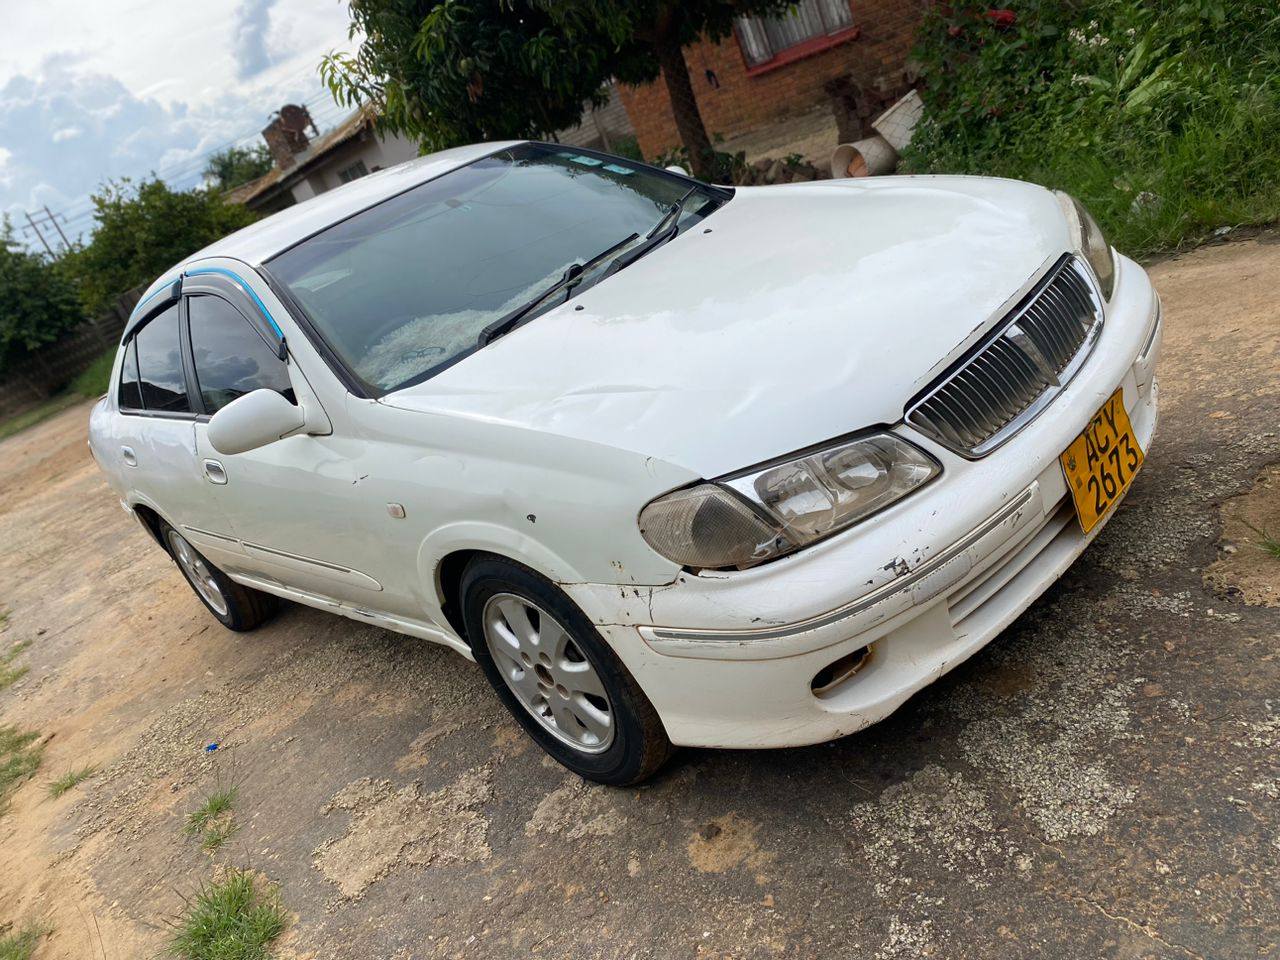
x: 213, y: 821
x: 69, y: 780
x: 217, y: 833
x: 9, y: 674
x: 19, y: 759
x: 215, y: 805
x: 1265, y: 542
x: 94, y: 381
x: 234, y: 918
x: 90, y: 385
x: 20, y: 944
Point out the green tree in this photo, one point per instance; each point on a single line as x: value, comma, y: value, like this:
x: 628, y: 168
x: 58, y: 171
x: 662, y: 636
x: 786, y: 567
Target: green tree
x: 38, y: 301
x: 448, y: 72
x: 456, y: 71
x: 646, y: 36
x: 236, y: 165
x: 143, y: 230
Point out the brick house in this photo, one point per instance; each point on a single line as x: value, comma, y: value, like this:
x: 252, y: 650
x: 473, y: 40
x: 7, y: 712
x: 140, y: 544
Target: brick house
x: 775, y: 66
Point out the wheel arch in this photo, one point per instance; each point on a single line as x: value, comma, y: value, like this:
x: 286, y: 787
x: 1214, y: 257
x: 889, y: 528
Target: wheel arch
x: 150, y: 519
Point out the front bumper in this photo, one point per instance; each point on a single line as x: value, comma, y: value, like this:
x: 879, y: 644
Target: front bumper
x: 730, y: 659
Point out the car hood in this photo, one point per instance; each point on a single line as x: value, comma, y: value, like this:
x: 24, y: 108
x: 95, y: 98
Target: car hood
x: 793, y: 315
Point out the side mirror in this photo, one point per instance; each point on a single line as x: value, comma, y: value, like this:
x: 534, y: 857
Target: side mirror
x: 676, y: 168
x: 254, y: 420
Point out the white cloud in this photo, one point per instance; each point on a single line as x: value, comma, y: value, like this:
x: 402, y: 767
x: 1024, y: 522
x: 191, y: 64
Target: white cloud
x: 121, y: 88
x: 249, y: 46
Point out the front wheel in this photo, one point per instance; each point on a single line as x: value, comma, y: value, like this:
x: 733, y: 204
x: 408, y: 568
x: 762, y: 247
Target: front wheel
x: 237, y: 607
x: 557, y: 677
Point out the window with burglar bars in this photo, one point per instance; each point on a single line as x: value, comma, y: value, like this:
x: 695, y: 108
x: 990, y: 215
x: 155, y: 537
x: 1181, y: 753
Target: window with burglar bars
x: 353, y: 172
x: 763, y: 38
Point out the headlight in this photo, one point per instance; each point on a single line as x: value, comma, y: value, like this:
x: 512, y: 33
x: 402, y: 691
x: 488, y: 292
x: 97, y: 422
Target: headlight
x: 745, y: 519
x: 1090, y: 243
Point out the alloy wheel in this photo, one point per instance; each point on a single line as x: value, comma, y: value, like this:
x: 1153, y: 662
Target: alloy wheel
x: 547, y: 672
x: 198, y: 572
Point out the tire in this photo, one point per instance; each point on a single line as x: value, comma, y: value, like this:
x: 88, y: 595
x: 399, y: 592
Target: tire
x: 234, y: 606
x: 558, y: 678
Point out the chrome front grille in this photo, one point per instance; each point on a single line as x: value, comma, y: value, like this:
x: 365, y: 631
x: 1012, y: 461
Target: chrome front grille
x: 1011, y: 376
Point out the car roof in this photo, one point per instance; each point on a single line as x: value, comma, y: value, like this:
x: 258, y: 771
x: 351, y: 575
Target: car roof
x: 260, y: 241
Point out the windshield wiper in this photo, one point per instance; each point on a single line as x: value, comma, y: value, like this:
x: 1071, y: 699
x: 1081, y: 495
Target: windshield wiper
x: 666, y: 228
x: 569, y: 279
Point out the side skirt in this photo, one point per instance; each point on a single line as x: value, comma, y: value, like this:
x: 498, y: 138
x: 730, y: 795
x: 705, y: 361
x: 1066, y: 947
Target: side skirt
x: 412, y: 628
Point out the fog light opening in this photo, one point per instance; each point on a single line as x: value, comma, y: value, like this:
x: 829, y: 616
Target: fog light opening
x: 837, y: 672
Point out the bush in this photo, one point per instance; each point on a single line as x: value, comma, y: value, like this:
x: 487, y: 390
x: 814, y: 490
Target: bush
x: 37, y: 301
x: 95, y: 380
x: 1164, y: 119
x: 142, y: 230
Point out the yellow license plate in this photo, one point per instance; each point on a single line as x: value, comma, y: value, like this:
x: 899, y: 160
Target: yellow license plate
x: 1101, y: 462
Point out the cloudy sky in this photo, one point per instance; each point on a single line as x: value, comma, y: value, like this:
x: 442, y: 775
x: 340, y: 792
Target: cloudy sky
x: 97, y: 89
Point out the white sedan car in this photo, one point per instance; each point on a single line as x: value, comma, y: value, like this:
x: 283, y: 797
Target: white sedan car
x: 674, y: 463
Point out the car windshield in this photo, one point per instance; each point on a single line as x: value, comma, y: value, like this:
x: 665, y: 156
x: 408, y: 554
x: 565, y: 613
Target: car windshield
x: 406, y: 287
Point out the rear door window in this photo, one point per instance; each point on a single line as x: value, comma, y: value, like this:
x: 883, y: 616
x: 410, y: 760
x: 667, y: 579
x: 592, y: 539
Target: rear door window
x: 163, y: 385
x: 231, y: 357
x: 130, y: 393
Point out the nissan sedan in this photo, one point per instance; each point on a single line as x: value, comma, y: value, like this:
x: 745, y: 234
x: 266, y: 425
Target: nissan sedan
x: 675, y: 464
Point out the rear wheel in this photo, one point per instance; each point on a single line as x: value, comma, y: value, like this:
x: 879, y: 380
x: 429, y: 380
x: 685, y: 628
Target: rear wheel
x: 236, y: 607
x: 558, y: 677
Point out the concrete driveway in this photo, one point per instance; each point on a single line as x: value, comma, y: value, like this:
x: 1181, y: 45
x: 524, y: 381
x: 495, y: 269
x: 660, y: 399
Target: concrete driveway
x: 1103, y: 781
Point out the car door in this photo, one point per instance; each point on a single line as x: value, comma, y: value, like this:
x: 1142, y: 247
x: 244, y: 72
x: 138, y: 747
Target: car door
x: 157, y: 433
x: 289, y: 502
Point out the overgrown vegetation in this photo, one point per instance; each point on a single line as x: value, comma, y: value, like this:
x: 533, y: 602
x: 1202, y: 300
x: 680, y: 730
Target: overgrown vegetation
x: 456, y: 71
x: 234, y: 918
x: 213, y: 821
x: 20, y: 944
x: 19, y: 759
x: 142, y: 229
x: 9, y: 674
x: 70, y: 780
x: 93, y: 382
x: 233, y: 166
x: 1163, y: 118
x: 89, y: 385
x: 38, y: 301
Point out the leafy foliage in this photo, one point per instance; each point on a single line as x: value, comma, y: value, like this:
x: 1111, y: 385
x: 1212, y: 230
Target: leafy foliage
x: 1164, y: 119
x: 459, y: 71
x: 648, y: 36
x: 143, y: 230
x: 38, y: 301
x: 449, y: 72
x: 236, y: 165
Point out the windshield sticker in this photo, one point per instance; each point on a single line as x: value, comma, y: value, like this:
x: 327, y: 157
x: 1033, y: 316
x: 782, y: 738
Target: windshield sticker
x: 587, y: 161
x: 614, y: 168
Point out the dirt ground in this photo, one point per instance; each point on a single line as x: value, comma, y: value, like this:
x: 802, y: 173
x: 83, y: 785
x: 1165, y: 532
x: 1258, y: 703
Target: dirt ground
x: 1102, y: 781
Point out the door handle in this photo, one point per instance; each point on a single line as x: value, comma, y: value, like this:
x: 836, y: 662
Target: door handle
x: 129, y: 456
x: 213, y: 472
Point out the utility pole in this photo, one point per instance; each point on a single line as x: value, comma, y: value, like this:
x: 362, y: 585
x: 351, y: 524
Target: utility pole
x: 45, y: 242
x: 54, y: 220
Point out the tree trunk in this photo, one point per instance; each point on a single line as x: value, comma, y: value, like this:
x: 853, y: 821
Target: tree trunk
x: 684, y: 108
